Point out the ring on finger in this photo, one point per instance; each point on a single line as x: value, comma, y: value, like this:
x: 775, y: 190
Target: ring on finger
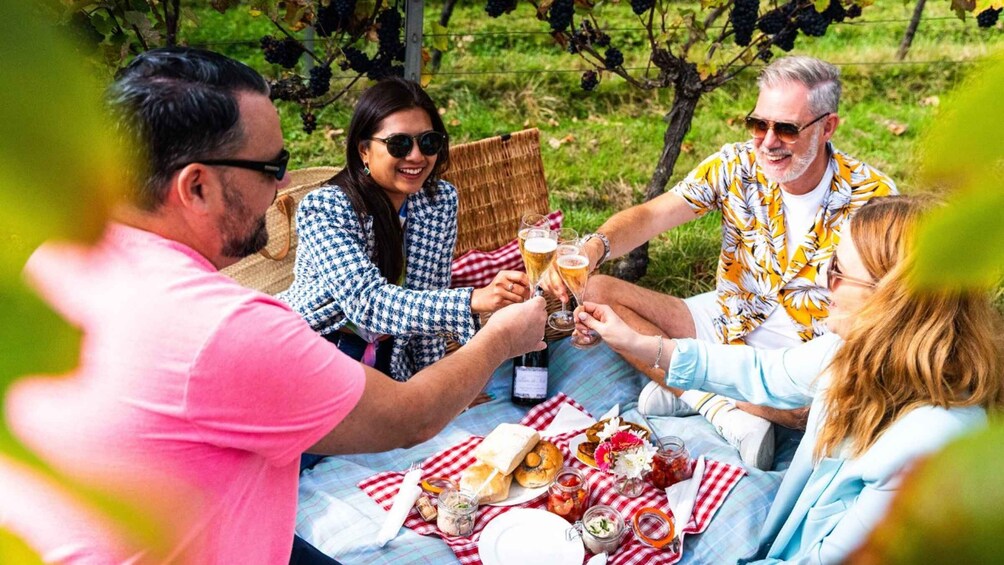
x: 511, y: 285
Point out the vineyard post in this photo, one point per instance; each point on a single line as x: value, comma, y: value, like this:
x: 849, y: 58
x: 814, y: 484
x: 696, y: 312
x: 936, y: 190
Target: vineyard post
x: 413, y: 40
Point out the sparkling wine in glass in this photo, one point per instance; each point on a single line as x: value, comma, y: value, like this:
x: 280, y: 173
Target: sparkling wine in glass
x: 568, y: 244
x: 574, y: 271
x: 538, y: 249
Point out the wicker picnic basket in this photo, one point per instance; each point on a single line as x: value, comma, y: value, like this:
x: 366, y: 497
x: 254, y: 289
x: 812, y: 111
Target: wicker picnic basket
x: 499, y: 179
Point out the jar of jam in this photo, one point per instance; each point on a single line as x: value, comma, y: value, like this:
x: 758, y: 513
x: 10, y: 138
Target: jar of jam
x: 671, y: 464
x: 456, y: 512
x: 568, y: 495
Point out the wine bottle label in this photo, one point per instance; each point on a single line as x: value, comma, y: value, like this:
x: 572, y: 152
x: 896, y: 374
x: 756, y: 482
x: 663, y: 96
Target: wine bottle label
x: 530, y: 382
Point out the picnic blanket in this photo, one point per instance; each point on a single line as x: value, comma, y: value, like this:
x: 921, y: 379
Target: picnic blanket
x: 719, y: 480
x: 342, y: 520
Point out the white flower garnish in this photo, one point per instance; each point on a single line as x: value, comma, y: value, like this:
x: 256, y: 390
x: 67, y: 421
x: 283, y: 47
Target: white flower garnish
x: 635, y: 462
x: 612, y: 426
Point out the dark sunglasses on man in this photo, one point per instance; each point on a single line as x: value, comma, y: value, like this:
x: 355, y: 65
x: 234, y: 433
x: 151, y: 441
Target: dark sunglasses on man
x: 399, y: 145
x: 276, y: 167
x: 786, y: 132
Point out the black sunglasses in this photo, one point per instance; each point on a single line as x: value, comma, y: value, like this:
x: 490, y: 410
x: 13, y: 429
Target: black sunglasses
x: 784, y: 131
x: 275, y: 167
x: 399, y: 145
x: 834, y: 274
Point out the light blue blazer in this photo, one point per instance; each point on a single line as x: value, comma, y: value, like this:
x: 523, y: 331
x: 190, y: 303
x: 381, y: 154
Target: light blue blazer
x: 825, y: 510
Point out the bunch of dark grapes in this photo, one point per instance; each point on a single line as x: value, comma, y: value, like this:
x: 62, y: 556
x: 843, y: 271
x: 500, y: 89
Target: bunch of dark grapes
x: 284, y: 52
x: 811, y: 22
x: 785, y: 39
x: 309, y: 121
x: 613, y: 57
x: 355, y: 60
x: 334, y: 17
x: 743, y: 18
x: 496, y: 8
x: 988, y: 17
x: 854, y: 11
x: 639, y: 7
x: 590, y: 80
x: 320, y: 80
x: 765, y: 55
x: 560, y: 14
x: 383, y: 67
x: 587, y: 35
x: 290, y: 89
x: 835, y: 11
x: 773, y: 21
x: 389, y: 31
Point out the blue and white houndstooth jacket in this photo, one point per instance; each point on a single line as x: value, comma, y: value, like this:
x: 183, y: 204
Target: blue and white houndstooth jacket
x: 335, y: 279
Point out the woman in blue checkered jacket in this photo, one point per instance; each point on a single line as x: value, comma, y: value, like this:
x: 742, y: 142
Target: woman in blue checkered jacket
x: 372, y: 271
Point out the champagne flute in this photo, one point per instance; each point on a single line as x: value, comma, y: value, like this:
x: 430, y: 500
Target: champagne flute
x: 574, y: 271
x: 568, y: 244
x: 538, y: 244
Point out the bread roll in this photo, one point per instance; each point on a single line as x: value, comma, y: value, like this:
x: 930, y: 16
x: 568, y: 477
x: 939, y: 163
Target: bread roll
x: 506, y: 446
x: 496, y: 490
x: 540, y: 466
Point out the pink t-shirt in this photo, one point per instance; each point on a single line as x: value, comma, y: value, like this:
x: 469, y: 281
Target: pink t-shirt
x: 195, y: 396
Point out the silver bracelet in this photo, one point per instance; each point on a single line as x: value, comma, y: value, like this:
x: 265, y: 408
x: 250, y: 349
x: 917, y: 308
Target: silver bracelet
x: 658, y: 355
x: 606, y: 246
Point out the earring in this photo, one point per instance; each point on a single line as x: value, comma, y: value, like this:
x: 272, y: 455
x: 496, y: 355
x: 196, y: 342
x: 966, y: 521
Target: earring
x: 366, y: 169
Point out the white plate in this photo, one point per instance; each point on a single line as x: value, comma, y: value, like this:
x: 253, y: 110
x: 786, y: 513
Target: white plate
x: 518, y: 494
x: 573, y: 446
x: 527, y: 535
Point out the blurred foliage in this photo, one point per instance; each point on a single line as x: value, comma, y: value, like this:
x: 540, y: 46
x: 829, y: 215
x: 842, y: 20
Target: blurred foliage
x: 948, y: 510
x: 61, y: 174
x: 963, y: 154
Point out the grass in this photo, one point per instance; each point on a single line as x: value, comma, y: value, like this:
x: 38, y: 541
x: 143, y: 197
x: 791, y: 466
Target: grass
x: 600, y: 148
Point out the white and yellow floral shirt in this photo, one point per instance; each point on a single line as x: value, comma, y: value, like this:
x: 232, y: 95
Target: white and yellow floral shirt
x: 755, y: 274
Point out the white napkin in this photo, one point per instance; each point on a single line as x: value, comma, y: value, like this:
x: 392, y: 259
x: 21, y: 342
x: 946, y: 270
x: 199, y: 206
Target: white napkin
x: 403, y: 501
x: 612, y: 413
x: 682, y: 496
x: 567, y: 419
x: 598, y: 559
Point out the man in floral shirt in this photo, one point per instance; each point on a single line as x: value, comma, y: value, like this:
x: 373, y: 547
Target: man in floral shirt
x: 784, y: 196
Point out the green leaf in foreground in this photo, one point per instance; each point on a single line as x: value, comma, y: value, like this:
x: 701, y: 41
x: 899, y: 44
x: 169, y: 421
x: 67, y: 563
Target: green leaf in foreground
x: 61, y: 171
x: 963, y: 245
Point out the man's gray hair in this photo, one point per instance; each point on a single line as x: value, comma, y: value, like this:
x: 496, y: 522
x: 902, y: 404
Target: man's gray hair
x: 822, y: 79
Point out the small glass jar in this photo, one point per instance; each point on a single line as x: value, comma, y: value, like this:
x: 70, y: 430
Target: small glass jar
x: 603, y: 528
x: 671, y: 464
x: 568, y: 495
x: 457, y: 511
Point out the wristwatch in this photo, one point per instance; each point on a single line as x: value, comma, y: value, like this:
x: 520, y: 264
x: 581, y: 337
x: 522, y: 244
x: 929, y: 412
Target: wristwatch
x: 606, y: 246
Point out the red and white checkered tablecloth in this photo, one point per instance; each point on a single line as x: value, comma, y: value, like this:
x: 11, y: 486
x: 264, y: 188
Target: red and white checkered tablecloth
x: 719, y: 479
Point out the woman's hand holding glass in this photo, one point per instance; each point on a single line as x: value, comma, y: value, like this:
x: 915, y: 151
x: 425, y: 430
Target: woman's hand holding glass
x: 622, y: 338
x: 508, y: 287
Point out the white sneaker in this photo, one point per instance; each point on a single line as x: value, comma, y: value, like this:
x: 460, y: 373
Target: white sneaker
x: 751, y: 435
x: 655, y: 400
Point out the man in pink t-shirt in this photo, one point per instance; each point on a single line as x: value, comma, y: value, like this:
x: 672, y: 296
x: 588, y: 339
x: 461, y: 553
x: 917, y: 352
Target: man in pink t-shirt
x: 195, y: 396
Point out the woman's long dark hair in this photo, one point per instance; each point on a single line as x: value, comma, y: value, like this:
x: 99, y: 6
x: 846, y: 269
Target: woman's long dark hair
x: 367, y: 197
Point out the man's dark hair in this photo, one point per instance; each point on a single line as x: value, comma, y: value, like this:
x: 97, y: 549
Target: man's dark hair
x: 175, y: 106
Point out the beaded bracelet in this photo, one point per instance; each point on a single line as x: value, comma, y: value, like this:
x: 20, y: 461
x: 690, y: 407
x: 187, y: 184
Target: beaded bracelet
x: 658, y: 355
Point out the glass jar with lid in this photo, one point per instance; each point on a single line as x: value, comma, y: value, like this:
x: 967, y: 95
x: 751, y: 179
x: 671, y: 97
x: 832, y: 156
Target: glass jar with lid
x: 671, y: 464
x: 457, y: 511
x: 568, y: 495
x: 602, y: 529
